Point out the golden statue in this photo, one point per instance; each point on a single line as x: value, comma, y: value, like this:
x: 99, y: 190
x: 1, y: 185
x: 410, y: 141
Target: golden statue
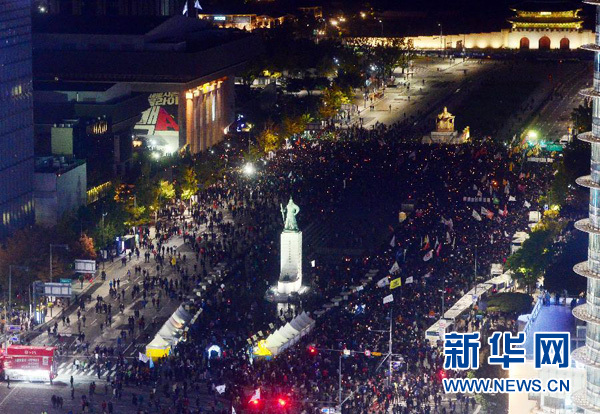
x: 445, y: 122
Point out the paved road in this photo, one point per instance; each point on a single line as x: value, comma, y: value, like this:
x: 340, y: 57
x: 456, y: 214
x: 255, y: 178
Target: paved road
x: 442, y: 78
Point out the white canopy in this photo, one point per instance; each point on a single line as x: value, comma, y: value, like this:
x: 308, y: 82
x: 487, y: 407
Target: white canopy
x: 158, y: 343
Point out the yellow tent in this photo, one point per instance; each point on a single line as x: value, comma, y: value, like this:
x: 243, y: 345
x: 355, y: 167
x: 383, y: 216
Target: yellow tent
x: 158, y: 348
x: 261, y: 350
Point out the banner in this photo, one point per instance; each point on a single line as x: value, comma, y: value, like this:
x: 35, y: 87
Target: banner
x: 409, y: 280
x: 396, y: 283
x: 395, y: 268
x: 388, y: 299
x: 476, y: 216
x: 383, y: 282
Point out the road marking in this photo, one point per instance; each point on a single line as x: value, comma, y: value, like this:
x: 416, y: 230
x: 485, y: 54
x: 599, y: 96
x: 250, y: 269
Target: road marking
x: 8, y: 395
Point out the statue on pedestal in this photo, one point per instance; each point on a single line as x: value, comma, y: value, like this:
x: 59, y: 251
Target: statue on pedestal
x: 289, y: 216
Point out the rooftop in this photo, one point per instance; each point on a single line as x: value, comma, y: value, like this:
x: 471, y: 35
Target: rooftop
x: 173, y: 50
x: 55, y: 164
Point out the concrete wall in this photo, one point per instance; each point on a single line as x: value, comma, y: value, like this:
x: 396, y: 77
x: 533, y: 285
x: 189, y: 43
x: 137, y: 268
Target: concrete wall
x: 56, y: 194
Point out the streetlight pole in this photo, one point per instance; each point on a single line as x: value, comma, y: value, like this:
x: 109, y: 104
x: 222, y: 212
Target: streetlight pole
x: 340, y: 382
x: 10, y: 268
x: 441, y: 39
x: 64, y: 246
x: 390, y: 347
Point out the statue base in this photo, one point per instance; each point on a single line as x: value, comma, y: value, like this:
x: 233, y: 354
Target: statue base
x: 274, y: 295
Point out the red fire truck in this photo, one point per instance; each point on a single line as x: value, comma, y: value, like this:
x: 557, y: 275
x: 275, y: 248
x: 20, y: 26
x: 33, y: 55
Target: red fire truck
x: 28, y: 363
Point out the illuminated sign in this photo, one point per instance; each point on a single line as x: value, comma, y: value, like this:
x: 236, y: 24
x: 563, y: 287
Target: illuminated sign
x: 220, y: 18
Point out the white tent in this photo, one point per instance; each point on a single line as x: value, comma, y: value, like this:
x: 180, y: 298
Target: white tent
x: 290, y: 334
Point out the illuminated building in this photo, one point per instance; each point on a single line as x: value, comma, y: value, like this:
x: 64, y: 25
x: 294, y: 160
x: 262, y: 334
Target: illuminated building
x: 16, y: 116
x: 182, y: 69
x: 589, y: 355
x: 244, y: 21
x: 542, y: 25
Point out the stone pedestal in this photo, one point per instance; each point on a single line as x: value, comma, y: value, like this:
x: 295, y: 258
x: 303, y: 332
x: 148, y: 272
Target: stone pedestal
x: 290, y: 276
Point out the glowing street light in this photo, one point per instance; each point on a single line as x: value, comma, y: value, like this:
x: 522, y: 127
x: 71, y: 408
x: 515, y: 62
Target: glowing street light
x: 249, y: 169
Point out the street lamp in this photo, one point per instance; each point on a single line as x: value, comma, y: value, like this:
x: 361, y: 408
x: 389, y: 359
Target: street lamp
x: 64, y: 246
x: 249, y: 169
x: 10, y: 268
x: 442, y: 48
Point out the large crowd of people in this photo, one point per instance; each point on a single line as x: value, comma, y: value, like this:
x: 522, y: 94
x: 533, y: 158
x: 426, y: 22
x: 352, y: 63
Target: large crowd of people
x: 436, y: 245
x: 461, y: 205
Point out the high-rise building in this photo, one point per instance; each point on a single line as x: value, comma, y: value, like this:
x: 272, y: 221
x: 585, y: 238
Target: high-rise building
x: 589, y: 355
x: 16, y: 116
x: 110, y: 7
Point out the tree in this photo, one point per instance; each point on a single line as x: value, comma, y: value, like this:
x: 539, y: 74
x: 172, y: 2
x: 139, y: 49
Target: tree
x: 84, y: 248
x: 269, y: 139
x: 332, y: 100
x: 295, y: 125
x: 529, y: 263
x: 166, y: 191
x: 189, y: 183
x: 582, y: 116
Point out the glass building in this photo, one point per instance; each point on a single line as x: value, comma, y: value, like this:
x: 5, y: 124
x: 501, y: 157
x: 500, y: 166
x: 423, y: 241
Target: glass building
x: 16, y: 116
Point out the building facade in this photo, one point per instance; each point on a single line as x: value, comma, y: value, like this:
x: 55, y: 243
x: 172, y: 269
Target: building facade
x: 535, y: 25
x: 60, y: 187
x: 16, y: 116
x: 110, y: 7
x: 589, y: 355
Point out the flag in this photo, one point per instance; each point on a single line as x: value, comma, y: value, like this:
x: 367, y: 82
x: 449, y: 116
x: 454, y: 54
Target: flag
x: 197, y: 5
x: 448, y: 238
x: 428, y: 274
x: 185, y: 9
x: 512, y: 198
x: 489, y: 214
x: 428, y: 256
x: 220, y: 388
x: 256, y: 395
x: 476, y: 215
x: 409, y: 280
x: 426, y: 243
x: 383, y: 282
x: 393, y: 241
x: 453, y: 242
x: 395, y: 268
x: 233, y: 410
x: 396, y: 283
x: 143, y: 357
x: 438, y: 250
x: 388, y: 299
x: 505, y: 212
x: 527, y: 204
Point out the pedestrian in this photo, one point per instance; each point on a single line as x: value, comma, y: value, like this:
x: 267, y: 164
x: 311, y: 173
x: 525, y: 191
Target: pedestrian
x: 7, y: 381
x: 71, y: 381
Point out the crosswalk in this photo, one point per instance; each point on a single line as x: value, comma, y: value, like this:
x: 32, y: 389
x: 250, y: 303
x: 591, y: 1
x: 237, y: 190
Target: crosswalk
x: 68, y: 369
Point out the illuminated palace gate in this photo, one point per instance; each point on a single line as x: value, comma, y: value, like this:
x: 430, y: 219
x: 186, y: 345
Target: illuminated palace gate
x: 208, y: 111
